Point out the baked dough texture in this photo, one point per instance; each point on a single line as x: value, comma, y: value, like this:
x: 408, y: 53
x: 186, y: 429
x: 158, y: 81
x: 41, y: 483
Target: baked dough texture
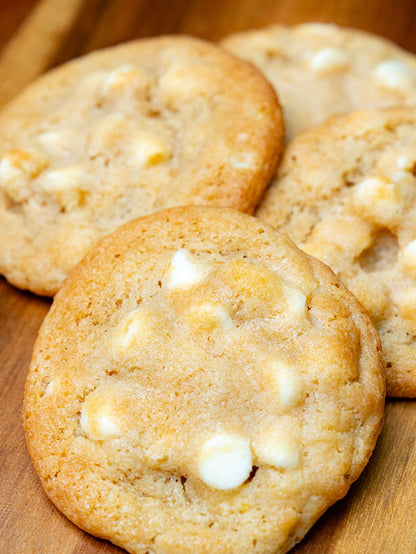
x: 200, y: 385
x: 123, y: 132
x: 321, y: 69
x: 346, y: 193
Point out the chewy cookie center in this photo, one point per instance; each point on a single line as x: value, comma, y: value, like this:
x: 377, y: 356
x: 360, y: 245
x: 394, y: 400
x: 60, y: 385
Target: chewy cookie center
x: 232, y: 333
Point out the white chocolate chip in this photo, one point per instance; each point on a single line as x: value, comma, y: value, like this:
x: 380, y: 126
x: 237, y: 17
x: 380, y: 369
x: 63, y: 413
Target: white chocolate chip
x: 287, y: 381
x: 113, y: 135
x: 328, y: 60
x: 245, y: 160
x: 378, y: 199
x: 183, y: 272
x: 22, y: 161
x: 277, y: 447
x: 406, y: 162
x: 209, y: 316
x: 225, y: 461
x: 408, y: 257
x: 264, y: 291
x: 398, y: 164
x: 98, y: 420
x: 50, y: 388
x: 137, y: 325
x: 296, y: 301
x: 12, y: 178
x: 147, y: 150
x: 125, y: 77
x: 59, y: 143
x: 220, y: 316
x: 405, y: 182
x: 17, y: 168
x: 182, y: 84
x: 66, y: 185
x: 103, y: 427
x: 90, y: 84
x: 395, y: 75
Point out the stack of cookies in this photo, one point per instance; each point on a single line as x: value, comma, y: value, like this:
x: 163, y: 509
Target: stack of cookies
x: 346, y: 189
x: 201, y: 384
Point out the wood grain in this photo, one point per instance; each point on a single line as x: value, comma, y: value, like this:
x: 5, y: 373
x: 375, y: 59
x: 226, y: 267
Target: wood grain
x: 378, y: 515
x: 29, y: 51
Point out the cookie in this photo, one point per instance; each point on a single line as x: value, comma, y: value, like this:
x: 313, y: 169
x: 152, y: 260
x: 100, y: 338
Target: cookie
x: 346, y: 193
x: 200, y: 385
x: 321, y: 69
x: 123, y: 132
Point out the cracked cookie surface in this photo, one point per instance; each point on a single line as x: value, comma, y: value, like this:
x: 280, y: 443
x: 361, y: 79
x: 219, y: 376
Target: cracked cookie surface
x: 201, y: 385
x: 123, y: 132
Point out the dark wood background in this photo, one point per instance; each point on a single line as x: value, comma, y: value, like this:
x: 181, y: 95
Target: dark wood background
x: 379, y: 513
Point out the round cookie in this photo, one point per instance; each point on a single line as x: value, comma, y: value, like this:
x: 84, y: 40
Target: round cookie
x: 321, y: 69
x: 200, y: 385
x: 123, y: 132
x: 346, y: 193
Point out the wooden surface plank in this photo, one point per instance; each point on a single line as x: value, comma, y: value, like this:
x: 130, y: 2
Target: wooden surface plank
x: 378, y: 514
x: 12, y: 14
x: 29, y: 51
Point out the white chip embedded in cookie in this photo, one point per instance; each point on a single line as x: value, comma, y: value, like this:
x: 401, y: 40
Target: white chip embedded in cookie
x: 121, y: 133
x: 215, y: 385
x: 319, y: 70
x: 346, y: 193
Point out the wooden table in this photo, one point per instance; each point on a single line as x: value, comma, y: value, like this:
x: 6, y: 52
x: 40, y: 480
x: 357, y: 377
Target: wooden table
x: 378, y: 515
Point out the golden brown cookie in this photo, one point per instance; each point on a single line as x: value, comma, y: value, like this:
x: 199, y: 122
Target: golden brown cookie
x: 321, y: 69
x: 346, y: 193
x: 200, y: 385
x: 121, y: 133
